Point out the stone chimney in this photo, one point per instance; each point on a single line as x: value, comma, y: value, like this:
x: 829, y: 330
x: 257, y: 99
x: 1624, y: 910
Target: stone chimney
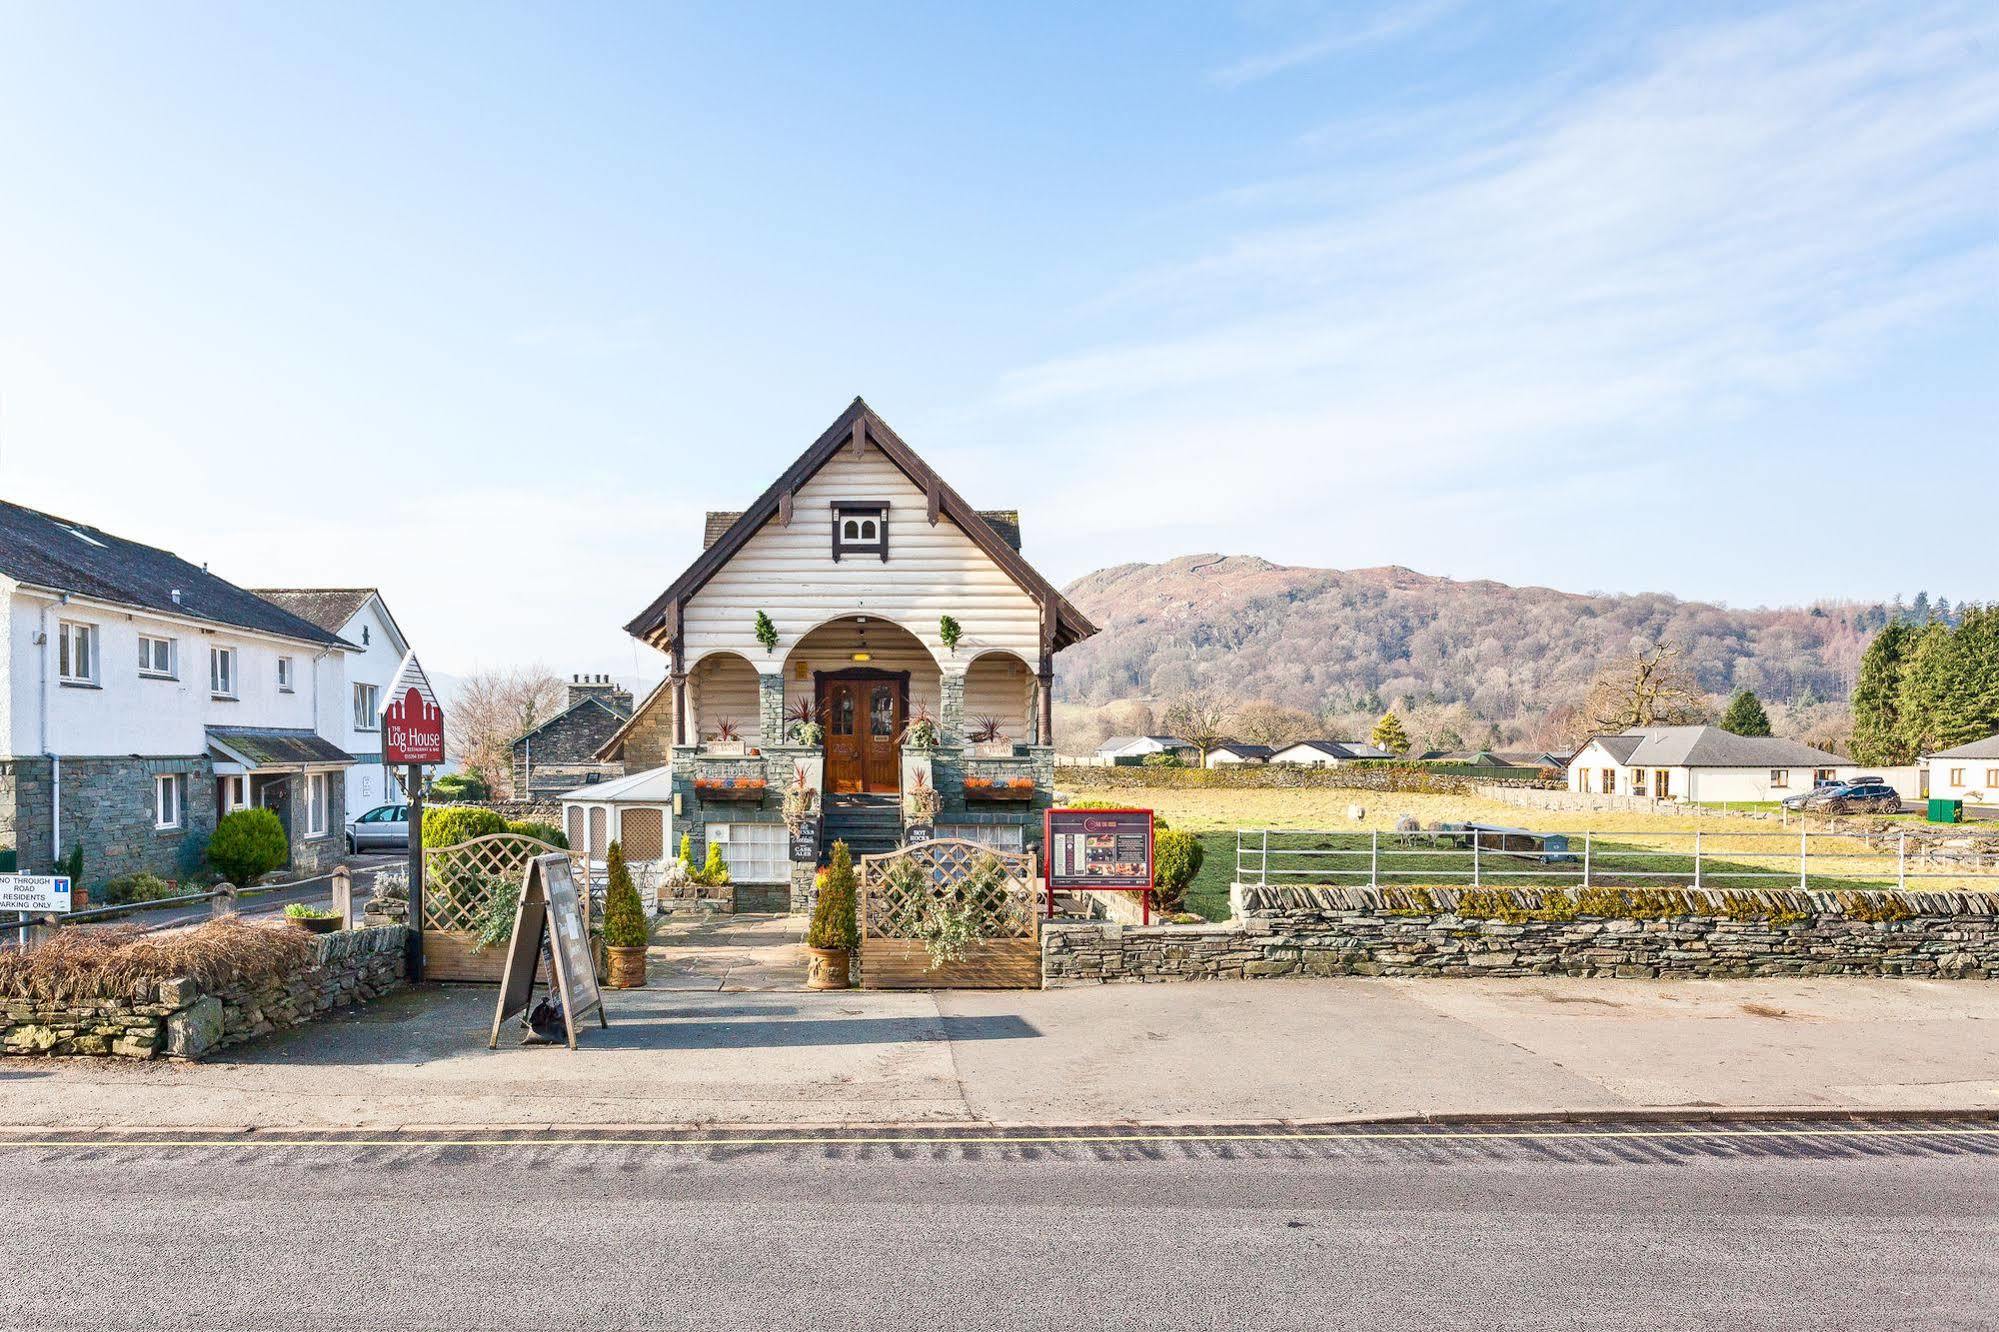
x: 599, y: 686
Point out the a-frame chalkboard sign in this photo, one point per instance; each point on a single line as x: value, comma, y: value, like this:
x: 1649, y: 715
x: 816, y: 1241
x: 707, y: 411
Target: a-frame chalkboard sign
x: 549, y: 907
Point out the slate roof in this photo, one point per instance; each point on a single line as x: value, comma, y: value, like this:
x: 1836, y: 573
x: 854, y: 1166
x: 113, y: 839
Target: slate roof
x: 1006, y: 522
x: 275, y: 747
x: 46, y: 551
x: 1120, y: 741
x: 1343, y: 749
x: 587, y: 701
x: 1988, y: 748
x: 328, y: 607
x: 1712, y: 747
x: 1244, y: 750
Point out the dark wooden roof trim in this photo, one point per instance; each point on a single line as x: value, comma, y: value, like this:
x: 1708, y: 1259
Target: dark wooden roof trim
x: 859, y: 423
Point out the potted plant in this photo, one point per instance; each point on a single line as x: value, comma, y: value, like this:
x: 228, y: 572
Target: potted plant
x: 921, y: 731
x: 311, y: 919
x: 730, y: 788
x: 999, y: 788
x: 833, y: 935
x: 727, y: 738
x: 801, y: 727
x: 921, y: 801
x: 800, y: 799
x: 987, y: 739
x: 626, y: 930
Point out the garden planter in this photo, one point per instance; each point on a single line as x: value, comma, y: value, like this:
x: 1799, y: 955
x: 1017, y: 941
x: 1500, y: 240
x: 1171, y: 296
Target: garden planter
x: 627, y: 969
x: 751, y: 789
x: 830, y: 969
x: 998, y: 792
x: 316, y: 925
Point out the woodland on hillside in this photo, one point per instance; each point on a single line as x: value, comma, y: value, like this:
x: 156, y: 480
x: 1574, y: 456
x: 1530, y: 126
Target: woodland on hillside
x: 1467, y: 665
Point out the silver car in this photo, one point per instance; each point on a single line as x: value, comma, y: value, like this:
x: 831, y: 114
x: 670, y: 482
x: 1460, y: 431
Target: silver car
x: 383, y: 828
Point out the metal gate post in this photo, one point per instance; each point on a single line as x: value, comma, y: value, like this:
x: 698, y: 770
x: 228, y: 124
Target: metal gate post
x: 1374, y: 859
x: 1586, y: 838
x: 1474, y: 857
x: 1263, y: 875
x: 1902, y: 860
x: 1697, y: 859
x: 1802, y: 879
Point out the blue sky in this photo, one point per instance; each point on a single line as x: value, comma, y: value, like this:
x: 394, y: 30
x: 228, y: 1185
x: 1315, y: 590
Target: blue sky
x: 484, y: 304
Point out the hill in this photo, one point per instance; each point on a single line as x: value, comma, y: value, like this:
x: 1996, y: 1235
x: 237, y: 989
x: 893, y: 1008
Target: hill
x: 1478, y: 662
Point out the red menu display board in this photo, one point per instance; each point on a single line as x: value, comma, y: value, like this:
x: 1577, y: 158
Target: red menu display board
x: 1098, y: 850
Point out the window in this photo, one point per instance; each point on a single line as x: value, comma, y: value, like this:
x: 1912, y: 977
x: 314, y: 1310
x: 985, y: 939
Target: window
x: 754, y: 852
x: 1662, y: 784
x: 1780, y: 779
x: 169, y: 800
x: 1992, y: 776
x: 156, y: 657
x: 998, y: 836
x: 860, y: 529
x: 285, y: 675
x: 1610, y: 781
x: 76, y: 653
x: 318, y: 802
x: 222, y: 672
x: 1957, y: 776
x: 364, y: 635
x: 1823, y: 777
x: 1583, y: 780
x: 231, y: 793
x: 365, y: 717
x: 1638, y: 781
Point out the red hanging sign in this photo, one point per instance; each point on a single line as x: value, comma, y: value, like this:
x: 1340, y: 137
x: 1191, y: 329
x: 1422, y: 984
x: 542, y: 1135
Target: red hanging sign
x: 412, y: 722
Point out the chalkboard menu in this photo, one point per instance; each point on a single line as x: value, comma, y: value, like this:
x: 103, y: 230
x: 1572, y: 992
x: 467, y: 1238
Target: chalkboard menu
x: 1099, y: 848
x: 805, y: 842
x: 550, y: 912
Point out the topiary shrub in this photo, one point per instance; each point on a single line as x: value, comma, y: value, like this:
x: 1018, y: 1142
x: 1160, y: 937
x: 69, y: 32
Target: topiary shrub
x: 833, y: 925
x: 248, y: 844
x: 448, y: 827
x: 541, y: 832
x: 625, y: 924
x: 461, y: 786
x: 714, y: 871
x: 1176, y: 859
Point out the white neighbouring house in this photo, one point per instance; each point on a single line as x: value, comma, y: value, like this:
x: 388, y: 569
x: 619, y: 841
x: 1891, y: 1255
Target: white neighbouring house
x: 141, y: 697
x: 1702, y: 763
x: 1237, y: 751
x: 1328, y: 753
x: 1968, y: 772
x: 1142, y: 747
x: 359, y: 616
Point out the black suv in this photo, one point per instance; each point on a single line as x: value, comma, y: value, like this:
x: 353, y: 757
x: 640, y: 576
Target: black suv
x: 1863, y: 797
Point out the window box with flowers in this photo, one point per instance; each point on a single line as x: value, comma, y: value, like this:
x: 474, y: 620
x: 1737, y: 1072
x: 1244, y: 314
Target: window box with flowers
x: 998, y: 789
x: 746, y: 789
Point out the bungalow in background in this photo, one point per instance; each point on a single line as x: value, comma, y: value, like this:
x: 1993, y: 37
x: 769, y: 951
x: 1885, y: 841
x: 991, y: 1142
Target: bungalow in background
x: 1496, y: 758
x: 1968, y: 772
x: 1138, y: 748
x: 1328, y: 753
x: 1234, y: 752
x: 561, y: 753
x: 1702, y: 763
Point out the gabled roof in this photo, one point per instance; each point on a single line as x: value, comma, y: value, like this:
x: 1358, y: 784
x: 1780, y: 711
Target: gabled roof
x: 587, y: 701
x: 1712, y: 747
x: 1164, y: 741
x: 330, y: 607
x: 276, y: 747
x: 1243, y: 749
x: 42, y: 550
x: 1988, y: 748
x: 1071, y: 625
x: 1345, y: 749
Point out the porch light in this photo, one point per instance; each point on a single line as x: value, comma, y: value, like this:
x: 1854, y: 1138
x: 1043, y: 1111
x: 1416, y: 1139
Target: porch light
x: 864, y: 656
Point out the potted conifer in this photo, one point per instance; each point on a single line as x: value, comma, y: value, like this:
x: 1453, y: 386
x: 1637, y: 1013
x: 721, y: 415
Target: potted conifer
x: 626, y: 930
x: 832, y: 936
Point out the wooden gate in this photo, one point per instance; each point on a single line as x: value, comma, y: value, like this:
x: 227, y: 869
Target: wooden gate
x: 460, y: 884
x: 910, y: 896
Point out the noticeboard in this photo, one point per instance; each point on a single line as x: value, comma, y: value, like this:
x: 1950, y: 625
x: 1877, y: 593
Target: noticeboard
x: 805, y: 841
x: 34, y: 892
x: 550, y: 911
x: 1099, y: 848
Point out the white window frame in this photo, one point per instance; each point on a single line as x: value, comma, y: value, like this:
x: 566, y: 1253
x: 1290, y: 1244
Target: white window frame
x: 747, y: 848
x: 148, y: 666
x: 224, y: 672
x: 72, y: 635
x: 285, y: 681
x: 318, y: 804
x: 993, y: 836
x: 235, y: 793
x: 367, y: 718
x: 169, y: 801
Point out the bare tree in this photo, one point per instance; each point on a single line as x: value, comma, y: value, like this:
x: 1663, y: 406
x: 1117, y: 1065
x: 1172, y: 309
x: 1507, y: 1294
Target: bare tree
x: 1202, y: 720
x: 494, y: 708
x: 1272, y: 724
x: 1650, y: 688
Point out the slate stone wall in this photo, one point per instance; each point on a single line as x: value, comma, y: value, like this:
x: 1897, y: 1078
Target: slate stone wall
x: 107, y: 806
x: 1676, y: 934
x: 563, y: 755
x: 177, y: 1019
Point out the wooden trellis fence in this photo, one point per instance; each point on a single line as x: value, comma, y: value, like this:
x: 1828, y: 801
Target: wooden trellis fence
x: 951, y: 874
x: 459, y: 886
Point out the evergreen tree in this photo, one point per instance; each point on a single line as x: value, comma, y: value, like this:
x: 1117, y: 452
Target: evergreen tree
x: 625, y: 923
x: 1978, y: 650
x: 1938, y: 702
x: 1745, y: 715
x: 1919, y: 609
x: 1877, y: 699
x: 1389, y: 735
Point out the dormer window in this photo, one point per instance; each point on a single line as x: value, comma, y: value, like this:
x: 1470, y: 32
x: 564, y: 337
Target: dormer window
x: 860, y: 528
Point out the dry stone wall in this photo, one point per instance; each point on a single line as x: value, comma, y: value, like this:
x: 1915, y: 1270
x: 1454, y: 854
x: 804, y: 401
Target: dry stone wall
x: 1520, y: 932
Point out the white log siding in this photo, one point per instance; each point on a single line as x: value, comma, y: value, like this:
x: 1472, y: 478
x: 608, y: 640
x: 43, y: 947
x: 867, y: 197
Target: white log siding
x: 1001, y: 685
x: 724, y: 684
x: 789, y: 573
x: 831, y: 647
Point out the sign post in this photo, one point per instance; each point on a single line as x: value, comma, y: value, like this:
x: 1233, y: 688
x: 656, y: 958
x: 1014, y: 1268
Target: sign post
x: 1099, y: 850
x: 413, y: 735
x: 34, y: 895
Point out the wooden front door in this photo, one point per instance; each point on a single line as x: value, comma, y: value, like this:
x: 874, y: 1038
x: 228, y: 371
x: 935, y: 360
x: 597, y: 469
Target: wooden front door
x: 863, y: 713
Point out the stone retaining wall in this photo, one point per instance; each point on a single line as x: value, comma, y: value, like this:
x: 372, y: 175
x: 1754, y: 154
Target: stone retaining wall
x: 1523, y: 932
x: 177, y: 1019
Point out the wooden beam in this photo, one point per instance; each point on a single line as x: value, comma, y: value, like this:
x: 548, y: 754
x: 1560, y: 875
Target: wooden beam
x: 934, y: 496
x: 860, y: 437
x: 784, y: 509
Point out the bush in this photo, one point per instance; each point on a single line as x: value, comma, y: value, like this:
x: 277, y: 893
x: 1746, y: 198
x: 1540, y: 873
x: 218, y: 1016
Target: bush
x: 625, y: 924
x: 247, y: 845
x: 1176, y: 859
x: 449, y: 827
x: 833, y: 924
x: 714, y: 871
x: 543, y: 832
x: 138, y: 888
x: 461, y: 786
x: 1166, y: 760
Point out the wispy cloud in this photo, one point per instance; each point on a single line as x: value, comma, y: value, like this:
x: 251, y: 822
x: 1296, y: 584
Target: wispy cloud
x: 1350, y: 35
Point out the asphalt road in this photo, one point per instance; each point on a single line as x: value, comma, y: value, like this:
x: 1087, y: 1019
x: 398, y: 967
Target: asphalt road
x: 1640, y: 1226
x: 318, y: 892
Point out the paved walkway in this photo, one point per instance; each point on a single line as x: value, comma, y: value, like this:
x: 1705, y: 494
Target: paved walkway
x: 1182, y: 1053
x: 728, y: 953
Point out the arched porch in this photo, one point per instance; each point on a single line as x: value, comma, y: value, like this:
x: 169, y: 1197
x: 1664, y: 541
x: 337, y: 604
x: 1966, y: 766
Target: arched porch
x: 863, y: 678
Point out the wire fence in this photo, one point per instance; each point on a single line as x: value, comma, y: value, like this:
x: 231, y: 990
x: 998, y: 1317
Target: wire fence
x: 1484, y: 856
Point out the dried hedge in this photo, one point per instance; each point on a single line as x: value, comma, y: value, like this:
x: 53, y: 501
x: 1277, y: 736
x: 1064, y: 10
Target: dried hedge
x: 110, y: 963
